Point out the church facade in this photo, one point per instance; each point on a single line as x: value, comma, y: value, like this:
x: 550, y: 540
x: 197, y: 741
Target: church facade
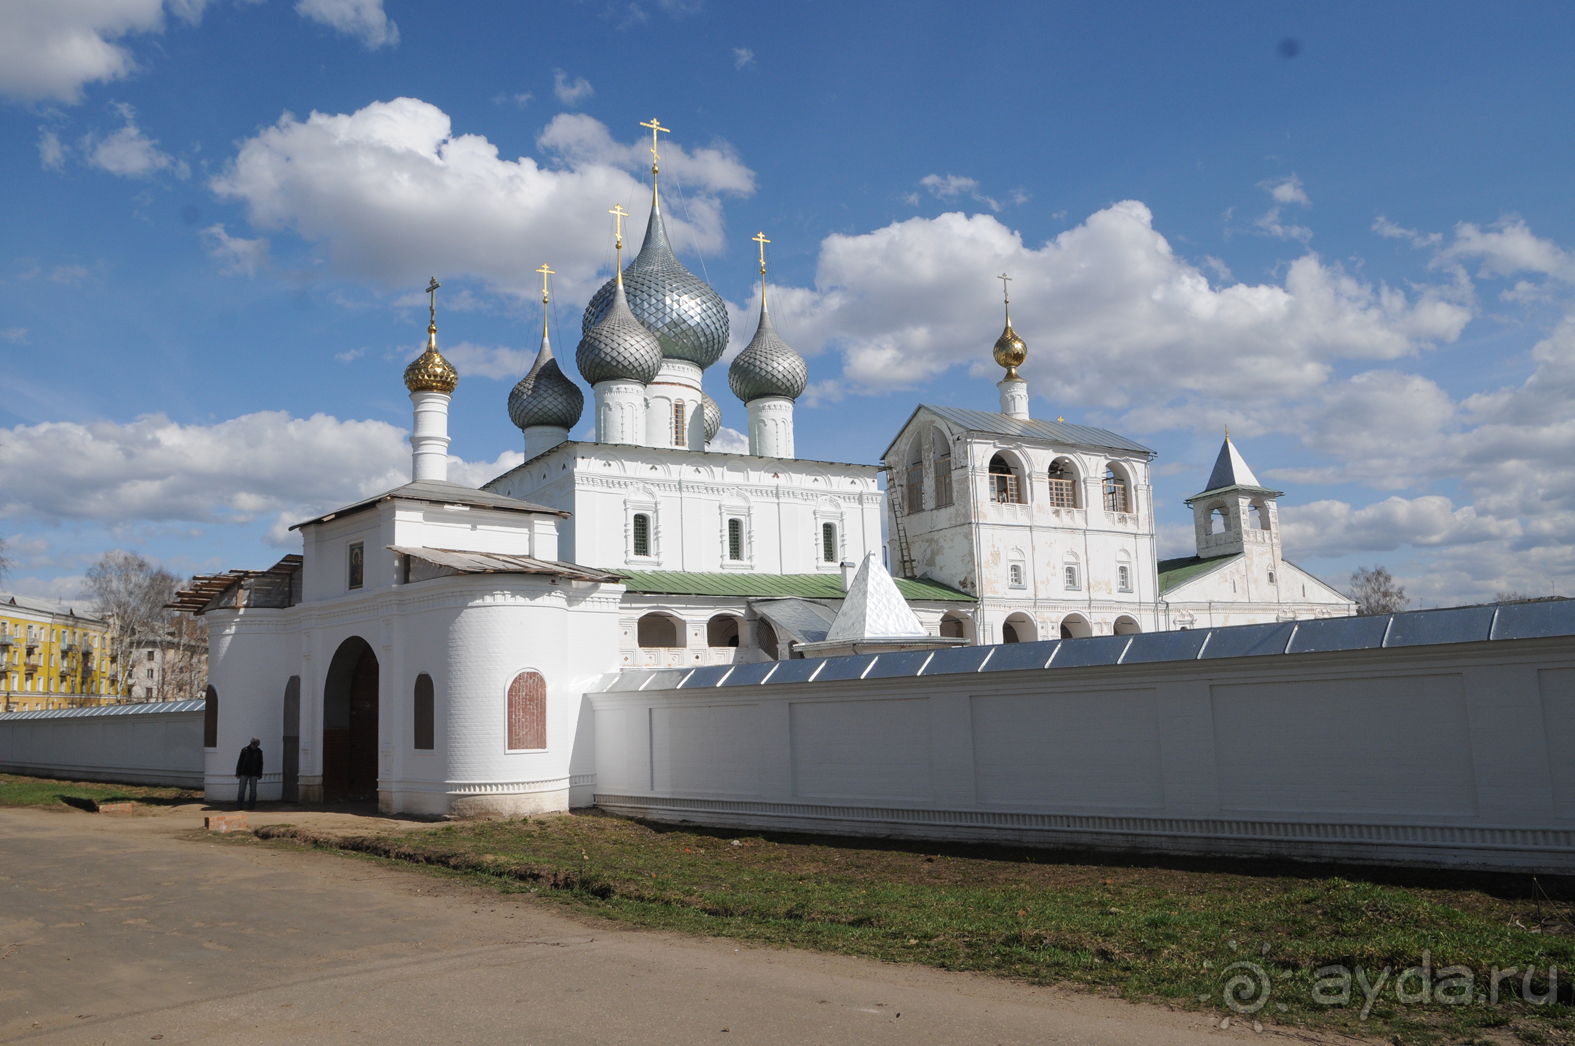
x: 432, y: 647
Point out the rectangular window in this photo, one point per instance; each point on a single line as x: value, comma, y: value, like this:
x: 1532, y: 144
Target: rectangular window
x: 1016, y: 575
x: 1115, y: 493
x: 642, y: 534
x: 943, y: 480
x: 680, y: 427
x: 1124, y: 578
x: 1005, y: 489
x: 1063, y: 492
x: 735, y: 539
x: 828, y: 543
x: 915, y: 487
x: 357, y: 566
x: 1071, y: 578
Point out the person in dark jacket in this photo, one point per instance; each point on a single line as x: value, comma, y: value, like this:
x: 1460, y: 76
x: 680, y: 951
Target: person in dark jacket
x: 248, y: 768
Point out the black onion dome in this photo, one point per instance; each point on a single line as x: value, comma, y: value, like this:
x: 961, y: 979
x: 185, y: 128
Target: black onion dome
x: 546, y: 396
x: 767, y: 367
x: 618, y: 347
x: 713, y: 416
x: 685, y: 314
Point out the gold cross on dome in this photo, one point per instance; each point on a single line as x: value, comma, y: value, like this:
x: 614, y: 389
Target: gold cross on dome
x: 545, y: 272
x: 760, y: 238
x: 655, y: 125
x: 621, y: 214
x: 1005, y: 291
x: 432, y: 290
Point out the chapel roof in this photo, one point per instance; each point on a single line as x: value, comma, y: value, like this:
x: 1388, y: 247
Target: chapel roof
x: 438, y: 492
x: 1049, y: 431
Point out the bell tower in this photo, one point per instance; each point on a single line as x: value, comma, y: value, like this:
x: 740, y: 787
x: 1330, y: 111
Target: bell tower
x: 1235, y: 514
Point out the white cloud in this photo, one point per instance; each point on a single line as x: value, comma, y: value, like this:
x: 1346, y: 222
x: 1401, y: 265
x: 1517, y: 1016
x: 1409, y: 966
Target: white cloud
x: 49, y: 49
x: 1507, y: 247
x: 499, y: 363
x: 742, y: 56
x: 236, y: 256
x: 17, y: 335
x: 363, y: 19
x: 729, y: 441
x: 1271, y: 224
x: 571, y: 92
x: 1286, y: 190
x: 236, y: 471
x: 51, y: 153
x: 130, y: 153
x: 68, y: 274
x: 350, y: 355
x: 369, y: 184
x: 1334, y: 528
x: 952, y: 186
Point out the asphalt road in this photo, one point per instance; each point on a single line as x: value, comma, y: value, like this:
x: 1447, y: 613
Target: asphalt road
x: 136, y: 929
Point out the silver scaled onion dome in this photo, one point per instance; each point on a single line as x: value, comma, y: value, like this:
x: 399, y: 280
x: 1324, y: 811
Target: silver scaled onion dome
x: 685, y: 314
x: 713, y: 416
x: 618, y: 347
x: 767, y: 367
x: 546, y: 396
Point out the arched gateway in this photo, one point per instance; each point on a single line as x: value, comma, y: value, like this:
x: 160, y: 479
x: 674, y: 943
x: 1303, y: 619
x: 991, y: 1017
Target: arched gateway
x: 350, y: 724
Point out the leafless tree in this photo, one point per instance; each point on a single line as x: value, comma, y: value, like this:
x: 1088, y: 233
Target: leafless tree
x: 130, y: 593
x: 6, y: 563
x: 1375, y: 591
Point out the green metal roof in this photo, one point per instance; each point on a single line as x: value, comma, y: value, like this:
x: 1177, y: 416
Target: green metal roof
x: 1173, y: 572
x: 766, y: 586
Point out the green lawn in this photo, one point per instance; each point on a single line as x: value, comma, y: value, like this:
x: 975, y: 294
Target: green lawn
x: 47, y: 792
x: 1147, y: 928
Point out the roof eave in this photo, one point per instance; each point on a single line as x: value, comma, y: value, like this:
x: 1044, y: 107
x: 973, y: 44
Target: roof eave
x: 1234, y: 486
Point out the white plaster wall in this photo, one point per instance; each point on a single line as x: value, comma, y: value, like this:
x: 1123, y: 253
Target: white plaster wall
x: 150, y: 746
x: 251, y: 656
x: 1458, y: 755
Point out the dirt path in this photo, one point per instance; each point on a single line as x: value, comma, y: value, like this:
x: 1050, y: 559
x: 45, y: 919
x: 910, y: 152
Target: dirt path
x: 130, y: 929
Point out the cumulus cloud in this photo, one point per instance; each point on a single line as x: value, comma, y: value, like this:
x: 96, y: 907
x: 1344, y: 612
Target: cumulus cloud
x: 953, y: 186
x: 1334, y: 528
x: 393, y: 194
x: 236, y: 255
x: 1286, y: 190
x: 1114, y: 319
x: 51, y: 152
x: 571, y: 92
x: 500, y: 363
x: 742, y: 56
x: 49, y: 49
x: 729, y: 441
x: 129, y: 153
x: 236, y: 471
x: 363, y: 19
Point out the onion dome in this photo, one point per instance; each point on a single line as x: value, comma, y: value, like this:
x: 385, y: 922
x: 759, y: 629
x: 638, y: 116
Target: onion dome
x: 685, y: 314
x: 767, y: 367
x: 713, y: 416
x: 430, y: 372
x: 1010, y: 349
x: 546, y: 396
x: 618, y: 347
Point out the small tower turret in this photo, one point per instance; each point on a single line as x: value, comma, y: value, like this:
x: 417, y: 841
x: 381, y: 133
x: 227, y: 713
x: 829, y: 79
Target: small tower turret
x: 431, y: 380
x: 768, y: 376
x: 1236, y: 514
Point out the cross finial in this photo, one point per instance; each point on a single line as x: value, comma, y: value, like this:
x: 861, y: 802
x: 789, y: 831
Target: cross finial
x: 760, y: 238
x: 1227, y: 433
x: 432, y: 308
x: 1005, y: 290
x: 655, y: 125
x: 545, y: 272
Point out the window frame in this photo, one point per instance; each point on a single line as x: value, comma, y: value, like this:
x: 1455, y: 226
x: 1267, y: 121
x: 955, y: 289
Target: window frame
x: 640, y: 535
x: 830, y: 547
x: 1117, y: 489
x: 680, y: 424
x: 735, y: 539
x: 1123, y: 577
x: 526, y: 713
x: 355, y: 566
x: 1072, y: 577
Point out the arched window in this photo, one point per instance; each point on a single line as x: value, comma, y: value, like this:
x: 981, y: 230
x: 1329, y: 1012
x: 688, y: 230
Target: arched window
x: 1071, y: 575
x: 1222, y: 517
x: 658, y: 630
x: 1006, y: 486
x: 1118, y: 496
x: 913, y: 481
x: 642, y: 534
x: 680, y: 428
x: 722, y: 630
x: 1014, y: 575
x: 1260, y: 517
x: 828, y: 543
x: 1008, y: 633
x: 1123, y: 577
x: 735, y: 539
x: 210, y: 717
x: 943, y: 469
x: 527, y: 712
x: 1063, y: 484
x: 425, y: 727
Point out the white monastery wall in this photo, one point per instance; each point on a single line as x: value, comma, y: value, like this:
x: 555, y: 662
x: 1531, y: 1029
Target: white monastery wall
x: 155, y: 744
x: 1462, y: 754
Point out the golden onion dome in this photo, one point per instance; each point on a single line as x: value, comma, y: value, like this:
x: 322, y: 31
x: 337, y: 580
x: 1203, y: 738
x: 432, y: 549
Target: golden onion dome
x: 430, y: 372
x: 1010, y: 350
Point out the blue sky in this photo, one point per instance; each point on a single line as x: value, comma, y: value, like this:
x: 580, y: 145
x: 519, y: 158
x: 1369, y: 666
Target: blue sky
x: 1343, y: 230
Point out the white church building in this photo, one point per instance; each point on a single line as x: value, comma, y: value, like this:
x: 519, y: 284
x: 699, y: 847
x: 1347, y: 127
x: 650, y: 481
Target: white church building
x: 432, y: 647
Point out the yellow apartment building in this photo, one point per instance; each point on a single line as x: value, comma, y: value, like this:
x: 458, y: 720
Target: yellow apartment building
x: 53, y: 654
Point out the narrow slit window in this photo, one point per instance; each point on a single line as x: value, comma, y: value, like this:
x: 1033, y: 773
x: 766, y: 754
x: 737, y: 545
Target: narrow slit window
x: 680, y: 427
x: 357, y: 566
x: 735, y: 539
x: 642, y: 534
x: 828, y: 542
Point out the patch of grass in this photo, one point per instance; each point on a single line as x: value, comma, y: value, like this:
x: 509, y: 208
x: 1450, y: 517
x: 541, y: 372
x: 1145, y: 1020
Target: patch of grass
x: 1175, y: 930
x: 48, y: 792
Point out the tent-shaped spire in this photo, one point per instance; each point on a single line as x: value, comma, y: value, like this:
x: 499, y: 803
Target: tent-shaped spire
x: 873, y: 608
x: 1230, y: 470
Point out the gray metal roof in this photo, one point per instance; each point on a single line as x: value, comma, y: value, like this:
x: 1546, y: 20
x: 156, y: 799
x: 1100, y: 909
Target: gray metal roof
x: 502, y: 563
x: 1049, y: 431
x: 438, y: 492
x: 1480, y: 624
x: 45, y: 605
x: 149, y: 708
